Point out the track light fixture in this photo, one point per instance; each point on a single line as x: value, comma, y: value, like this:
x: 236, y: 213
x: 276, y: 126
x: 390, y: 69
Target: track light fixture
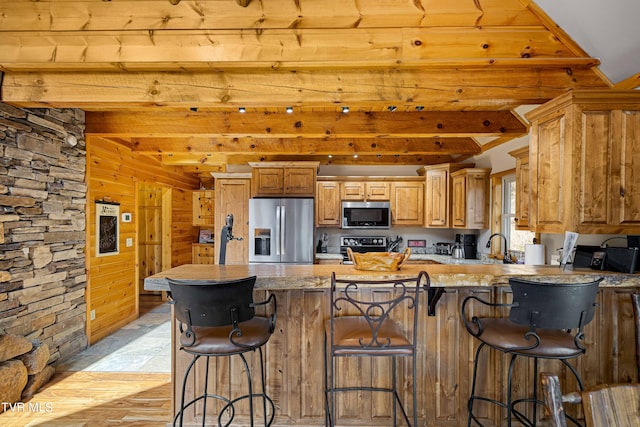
x: 289, y: 110
x: 392, y: 108
x: 345, y: 109
x: 242, y: 110
x: 419, y: 107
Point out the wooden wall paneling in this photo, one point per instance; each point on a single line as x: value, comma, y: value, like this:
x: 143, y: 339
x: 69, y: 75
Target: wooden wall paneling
x: 113, y: 171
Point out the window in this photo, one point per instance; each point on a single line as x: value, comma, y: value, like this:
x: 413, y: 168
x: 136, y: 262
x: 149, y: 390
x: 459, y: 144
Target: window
x: 516, y: 238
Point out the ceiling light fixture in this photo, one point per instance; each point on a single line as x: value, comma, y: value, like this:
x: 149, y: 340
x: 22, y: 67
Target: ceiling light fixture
x: 345, y: 109
x: 355, y: 156
x: 330, y: 156
x: 242, y: 110
x: 289, y: 110
x: 419, y: 107
x: 392, y: 108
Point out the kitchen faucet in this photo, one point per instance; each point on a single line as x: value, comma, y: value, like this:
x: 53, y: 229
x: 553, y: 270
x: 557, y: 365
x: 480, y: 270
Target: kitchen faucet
x: 506, y: 259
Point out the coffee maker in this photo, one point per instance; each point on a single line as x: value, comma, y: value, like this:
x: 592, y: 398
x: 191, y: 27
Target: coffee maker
x: 468, y: 242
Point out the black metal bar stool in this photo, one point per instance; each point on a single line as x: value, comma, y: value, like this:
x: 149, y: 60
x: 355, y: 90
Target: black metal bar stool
x: 217, y: 318
x: 365, y: 327
x: 546, y: 321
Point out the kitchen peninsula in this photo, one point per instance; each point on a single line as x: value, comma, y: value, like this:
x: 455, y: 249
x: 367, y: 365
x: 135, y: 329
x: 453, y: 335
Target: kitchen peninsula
x: 295, y: 351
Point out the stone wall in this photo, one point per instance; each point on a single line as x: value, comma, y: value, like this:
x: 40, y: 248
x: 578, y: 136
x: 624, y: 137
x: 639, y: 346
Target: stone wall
x: 42, y: 227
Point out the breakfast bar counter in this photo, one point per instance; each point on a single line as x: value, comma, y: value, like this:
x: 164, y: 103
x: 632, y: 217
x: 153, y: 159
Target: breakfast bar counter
x: 294, y: 354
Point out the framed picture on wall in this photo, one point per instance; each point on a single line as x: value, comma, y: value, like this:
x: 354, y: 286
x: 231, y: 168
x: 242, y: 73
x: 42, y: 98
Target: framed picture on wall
x: 107, y: 228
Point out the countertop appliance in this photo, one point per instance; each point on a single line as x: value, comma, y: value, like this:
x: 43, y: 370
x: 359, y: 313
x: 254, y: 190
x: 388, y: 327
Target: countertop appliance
x: 469, y: 245
x: 366, y: 214
x: 361, y: 244
x: 281, y: 231
x: 443, y: 248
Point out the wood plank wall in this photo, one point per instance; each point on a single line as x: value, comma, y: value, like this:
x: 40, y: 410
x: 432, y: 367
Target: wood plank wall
x: 113, y: 172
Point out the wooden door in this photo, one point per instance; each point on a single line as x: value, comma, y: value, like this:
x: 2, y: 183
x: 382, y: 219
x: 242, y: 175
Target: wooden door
x: 328, y: 204
x: 477, y: 199
x: 549, y: 186
x: 625, y: 170
x: 203, y: 208
x: 459, y: 201
x: 299, y: 181
x: 267, y: 182
x: 352, y: 190
x: 407, y: 203
x: 377, y: 191
x: 154, y: 237
x: 232, y: 197
x: 437, y: 209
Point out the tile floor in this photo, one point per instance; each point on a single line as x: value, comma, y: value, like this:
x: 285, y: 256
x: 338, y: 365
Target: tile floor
x: 143, y: 345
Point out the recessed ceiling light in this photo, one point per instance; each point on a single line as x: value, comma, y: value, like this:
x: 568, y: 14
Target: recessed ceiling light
x: 289, y: 110
x: 330, y: 156
x: 242, y: 110
x: 355, y: 156
x: 419, y: 107
x: 345, y: 109
x: 392, y: 108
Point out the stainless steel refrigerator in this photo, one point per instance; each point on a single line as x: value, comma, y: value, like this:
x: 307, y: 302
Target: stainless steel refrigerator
x: 281, y: 231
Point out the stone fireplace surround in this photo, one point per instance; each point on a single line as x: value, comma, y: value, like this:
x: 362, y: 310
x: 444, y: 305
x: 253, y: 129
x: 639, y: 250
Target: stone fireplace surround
x: 42, y: 231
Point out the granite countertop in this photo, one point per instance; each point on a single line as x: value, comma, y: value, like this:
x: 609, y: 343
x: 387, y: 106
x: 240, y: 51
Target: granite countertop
x: 442, y: 259
x: 318, y: 276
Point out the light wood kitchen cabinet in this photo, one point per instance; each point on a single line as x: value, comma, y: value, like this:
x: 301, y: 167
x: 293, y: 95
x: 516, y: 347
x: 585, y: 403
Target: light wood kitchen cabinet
x: 203, y: 253
x: 232, y: 194
x: 523, y: 181
x: 365, y: 190
x: 291, y: 179
x: 328, y: 204
x: 584, y: 163
x: 203, y: 201
x: 407, y: 203
x: 438, y: 193
x: 470, y: 200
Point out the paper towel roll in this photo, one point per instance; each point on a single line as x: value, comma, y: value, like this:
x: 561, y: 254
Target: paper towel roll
x: 534, y: 254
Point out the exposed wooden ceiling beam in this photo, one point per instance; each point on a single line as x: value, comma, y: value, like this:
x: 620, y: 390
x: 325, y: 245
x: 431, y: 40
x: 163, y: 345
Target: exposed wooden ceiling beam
x: 442, y: 89
x: 305, y: 125
x: 285, y: 49
x: 306, y: 146
x: 161, y: 14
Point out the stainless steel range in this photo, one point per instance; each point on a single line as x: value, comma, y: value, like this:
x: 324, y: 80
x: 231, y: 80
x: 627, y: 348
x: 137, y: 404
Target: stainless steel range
x: 361, y: 244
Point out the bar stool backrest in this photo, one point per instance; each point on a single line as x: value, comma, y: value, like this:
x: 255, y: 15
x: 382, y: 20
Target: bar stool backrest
x: 213, y: 303
x: 548, y: 305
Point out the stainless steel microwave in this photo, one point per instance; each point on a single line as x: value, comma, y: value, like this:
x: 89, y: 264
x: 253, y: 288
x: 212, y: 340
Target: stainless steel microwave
x: 366, y: 215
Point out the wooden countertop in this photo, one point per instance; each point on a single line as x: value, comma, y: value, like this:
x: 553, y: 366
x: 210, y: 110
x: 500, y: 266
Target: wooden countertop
x: 293, y: 276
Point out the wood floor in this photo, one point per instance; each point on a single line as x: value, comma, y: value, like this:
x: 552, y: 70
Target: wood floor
x: 75, y: 399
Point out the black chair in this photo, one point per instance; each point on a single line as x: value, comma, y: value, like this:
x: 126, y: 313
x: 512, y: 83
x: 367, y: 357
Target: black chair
x: 362, y: 326
x: 546, y: 321
x: 217, y: 318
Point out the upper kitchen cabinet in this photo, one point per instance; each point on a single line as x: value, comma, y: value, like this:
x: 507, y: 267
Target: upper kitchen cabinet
x: 438, y: 192
x: 407, y: 202
x: 585, y: 163
x: 328, y: 204
x: 289, y: 179
x: 365, y: 190
x: 470, y: 199
x: 203, y: 201
x: 523, y: 181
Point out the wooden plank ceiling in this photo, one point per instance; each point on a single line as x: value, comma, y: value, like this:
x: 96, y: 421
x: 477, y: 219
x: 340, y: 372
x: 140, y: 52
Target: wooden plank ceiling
x: 425, y: 81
